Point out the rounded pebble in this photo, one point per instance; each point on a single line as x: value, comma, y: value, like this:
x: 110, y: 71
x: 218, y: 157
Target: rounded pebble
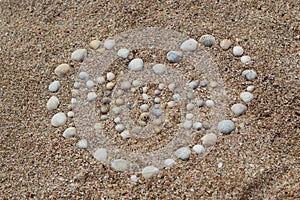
x: 174, y: 56
x: 62, y: 69
x: 110, y: 76
x: 52, y: 103
x: 125, y: 134
x: 157, y: 112
x: 76, y: 85
x: 116, y: 110
x: 171, y: 104
x: 70, y: 114
x: 82, y: 144
x: 90, y: 84
x: 110, y: 85
x: 98, y: 126
x: 183, y: 153
x: 246, y: 96
x: 209, y: 139
x: 245, y: 59
x: 120, y: 165
x: 120, y: 127
x: 249, y: 74
x: 198, y: 148
x: 187, y: 124
x: 207, y: 40
x: 123, y: 53
x: 101, y: 80
x: 79, y: 55
x: 225, y: 44
x: 197, y: 125
x: 149, y: 172
x: 237, y: 51
x: 54, y: 86
x: 189, y: 45
x: 94, y: 44
x: 189, y: 116
x: 109, y: 44
x: 136, y: 64
x: 169, y: 162
x: 100, y: 154
x: 193, y: 84
x: 73, y: 100
x: 226, y: 126
x: 58, y: 119
x: 250, y: 88
x: 238, y: 109
x: 210, y: 103
x: 144, y: 107
x: 176, y: 97
x: 69, y: 132
x: 91, y: 96
x: 83, y: 75
x: 159, y: 69
x: 190, y: 106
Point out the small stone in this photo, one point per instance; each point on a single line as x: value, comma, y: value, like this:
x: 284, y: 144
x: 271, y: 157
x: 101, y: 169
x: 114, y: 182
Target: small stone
x: 213, y: 84
x: 199, y: 149
x: 91, y: 96
x: 187, y: 124
x: 117, y: 120
x: 172, y: 86
x: 79, y: 55
x: 157, y: 112
x: 245, y: 59
x: 206, y: 125
x: 119, y: 102
x: 90, y: 84
x: 123, y: 53
x: 189, y: 116
x: 190, y: 106
x: 100, y: 154
x: 106, y: 100
x: 193, y: 84
x: 197, y: 126
x: 133, y: 178
x: 116, y: 110
x: 52, y: 103
x: 250, y: 88
x: 149, y: 172
x: 210, y: 103
x: 246, y: 96
x: 109, y: 44
x: 174, y: 56
x: 189, y: 45
x: 225, y: 44
x: 120, y: 165
x: 76, y: 85
x: 101, y: 80
x: 238, y: 109
x: 62, y: 69
x: 144, y: 107
x: 125, y: 85
x: 171, y: 104
x: 204, y: 83
x: 136, y: 64
x: 169, y: 162
x: 73, y: 101
x: 161, y: 86
x: 157, y: 122
x: 145, y: 89
x: 83, y: 75
x: 136, y: 83
x: 54, y: 86
x: 157, y: 100
x: 110, y: 85
x: 145, y: 97
x: 82, y: 144
x: 159, y: 69
x: 209, y: 139
x: 249, y: 74
x: 94, y: 44
x: 58, y: 119
x: 104, y: 109
x: 176, y: 97
x: 200, y: 103
x: 125, y: 134
x: 136, y: 130
x: 120, y: 127
x: 207, y: 40
x: 110, y: 76
x: 183, y: 153
x: 226, y: 126
x: 190, y: 95
x: 69, y: 132
x: 238, y: 51
x: 70, y: 114
x: 220, y: 164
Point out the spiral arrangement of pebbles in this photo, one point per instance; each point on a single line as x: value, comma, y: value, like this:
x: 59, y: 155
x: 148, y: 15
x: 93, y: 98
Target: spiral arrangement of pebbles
x: 123, y: 99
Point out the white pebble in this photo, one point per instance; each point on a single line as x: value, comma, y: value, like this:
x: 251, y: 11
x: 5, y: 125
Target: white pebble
x: 69, y: 132
x: 136, y: 64
x: 101, y: 80
x: 226, y: 126
x: 82, y: 144
x: 189, y: 116
x: 90, y: 84
x: 123, y: 53
x: 145, y: 89
x: 116, y: 110
x: 62, y: 69
x: 157, y: 100
x: 117, y: 120
x: 54, y: 86
x: 70, y: 114
x: 210, y: 103
x: 133, y: 178
x: 207, y: 40
x: 95, y: 44
x: 238, y: 109
x: 161, y: 86
x: 73, y: 100
x: 193, y: 84
x: 144, y: 107
x: 110, y: 76
x: 176, y: 97
x: 159, y: 69
x: 171, y: 86
x: 58, y: 119
x: 187, y: 124
x: 83, y: 75
x: 200, y: 103
x: 183, y: 153
x: 209, y: 139
x: 225, y: 44
x: 238, y: 51
x: 198, y: 148
x: 136, y: 83
x: 197, y: 126
x: 169, y: 162
x: 145, y: 97
x: 109, y: 44
x: 157, y: 112
x: 125, y: 85
x: 245, y: 59
x: 189, y: 45
x: 149, y: 172
x: 174, y: 56
x: 171, y: 104
x: 220, y: 164
x: 120, y: 127
x: 91, y: 96
x: 249, y: 74
x: 110, y: 85
x: 76, y: 85
x: 79, y: 55
x: 100, y: 154
x: 120, y: 165
x: 52, y: 103
x: 246, y: 96
x: 250, y: 88
x: 204, y: 83
x: 190, y: 106
x: 125, y: 134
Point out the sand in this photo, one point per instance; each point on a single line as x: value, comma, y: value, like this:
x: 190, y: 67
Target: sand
x: 38, y: 163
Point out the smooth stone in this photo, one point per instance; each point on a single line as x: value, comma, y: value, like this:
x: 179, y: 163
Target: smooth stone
x: 193, y: 84
x: 91, y: 96
x: 136, y: 130
x: 120, y: 127
x: 210, y: 103
x: 125, y: 85
x: 120, y: 165
x: 62, y: 69
x: 176, y: 97
x: 157, y: 100
x: 125, y: 134
x: 133, y: 178
x: 238, y: 109
x: 249, y: 74
x: 198, y: 148
x: 183, y: 153
x: 58, y: 119
x: 171, y: 104
x: 226, y: 126
x: 109, y: 44
x: 206, y: 125
x: 144, y: 107
x: 136, y: 64
x: 174, y: 56
x: 204, y: 83
x: 145, y: 97
x: 71, y: 114
x: 245, y: 59
x: 209, y: 139
x: 104, y: 117
x: 54, y: 86
x: 187, y: 124
x: 246, y: 96
x: 82, y: 144
x: 171, y: 86
x: 52, y: 103
x: 189, y: 45
x: 79, y: 55
x: 110, y: 85
x: 161, y: 86
x: 116, y: 110
x: 101, y: 80
x: 123, y: 53
x: 200, y: 103
x: 220, y: 164
x: 197, y: 126
x: 213, y: 84
x: 169, y: 162
x: 83, y: 75
x: 136, y: 83
x: 119, y: 102
x: 76, y: 85
x: 250, y: 88
x: 189, y: 116
x: 149, y: 172
x: 69, y: 132
x: 159, y: 69
x: 110, y: 76
x: 100, y: 154
x: 90, y: 84
x: 190, y: 106
x: 237, y: 51
x: 95, y: 44
x: 207, y: 40
x: 225, y: 44
x: 157, y: 112
x: 73, y: 100
x: 117, y: 120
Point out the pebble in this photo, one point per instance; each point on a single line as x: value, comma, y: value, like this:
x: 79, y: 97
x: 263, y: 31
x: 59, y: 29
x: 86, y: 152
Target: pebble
x: 206, y: 125
x: 144, y: 107
x: 109, y: 44
x: 220, y: 164
x: 250, y: 88
x: 69, y: 132
x: 73, y: 100
x: 226, y: 126
x: 190, y: 106
x: 106, y: 100
x: 197, y: 126
x: 125, y: 85
x: 225, y: 44
x: 54, y: 86
x: 159, y: 69
x: 157, y: 100
x: 101, y: 80
x: 116, y: 110
x: 137, y: 130
x: 58, y: 119
x: 79, y: 55
x: 76, y: 85
x: 91, y: 96
x: 117, y: 120
x: 174, y: 56
x: 171, y: 104
x: 246, y: 96
x: 90, y: 84
x: 245, y: 59
x: 172, y: 86
x: 190, y: 95
x: 149, y: 172
x: 110, y: 76
x: 213, y: 84
x: 238, y: 109
x: 157, y: 112
x: 193, y: 84
x: 238, y: 51
x: 200, y: 103
x: 249, y: 74
x: 210, y: 103
x: 82, y: 144
x: 70, y: 114
x: 119, y: 102
x: 198, y: 148
x: 123, y: 53
x: 120, y: 127
x: 83, y: 75
x: 62, y: 69
x: 103, y: 109
x: 183, y: 153
x: 189, y: 45
x: 133, y: 178
x: 136, y: 83
x: 189, y: 116
x: 176, y: 97
x: 187, y: 124
x: 95, y: 44
x: 145, y: 97
x: 52, y: 103
x: 125, y: 134
x: 169, y: 162
x: 136, y: 64
x: 204, y: 83
x: 209, y: 139
x: 161, y: 86
x: 104, y: 117
x: 207, y: 40
x: 120, y: 165
x: 100, y: 154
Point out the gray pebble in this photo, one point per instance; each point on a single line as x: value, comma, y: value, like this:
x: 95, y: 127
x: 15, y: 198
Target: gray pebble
x: 54, y: 86
x: 83, y: 75
x: 183, y: 153
x: 189, y: 45
x: 246, y: 96
x: 174, y: 56
x: 238, y: 109
x: 226, y: 126
x: 249, y: 74
x: 207, y: 40
x: 136, y: 64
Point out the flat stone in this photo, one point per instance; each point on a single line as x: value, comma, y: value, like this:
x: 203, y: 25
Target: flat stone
x: 109, y: 44
x: 123, y: 53
x: 226, y: 126
x: 169, y: 162
x: 149, y: 172
x: 189, y: 45
x: 79, y: 55
x: 54, y: 86
x: 245, y: 59
x: 62, y: 70
x: 52, y: 103
x: 120, y: 165
x: 69, y: 132
x: 136, y: 64
x: 183, y: 153
x: 159, y: 69
x: 100, y: 154
x: 174, y: 56
x: 95, y: 44
x: 237, y: 51
x: 246, y: 97
x: 82, y: 144
x: 238, y: 109
x: 198, y: 148
x: 207, y: 40
x: 91, y: 96
x: 83, y: 75
x: 209, y: 139
x: 249, y: 74
x: 225, y: 44
x: 58, y: 119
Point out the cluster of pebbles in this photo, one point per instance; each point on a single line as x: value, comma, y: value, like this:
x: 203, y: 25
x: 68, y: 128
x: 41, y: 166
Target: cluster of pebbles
x: 151, y: 107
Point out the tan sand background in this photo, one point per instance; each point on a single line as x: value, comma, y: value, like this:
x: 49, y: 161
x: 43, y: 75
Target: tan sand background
x: 38, y: 163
